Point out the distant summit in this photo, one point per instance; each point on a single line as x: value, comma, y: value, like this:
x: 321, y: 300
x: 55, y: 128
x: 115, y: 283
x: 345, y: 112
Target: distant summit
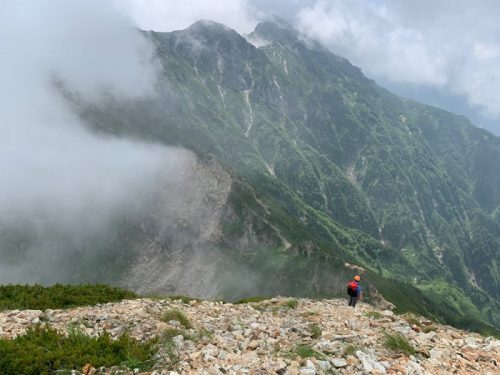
x: 275, y: 32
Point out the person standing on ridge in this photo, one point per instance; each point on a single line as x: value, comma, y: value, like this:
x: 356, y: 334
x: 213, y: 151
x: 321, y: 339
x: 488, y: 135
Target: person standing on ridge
x: 354, y: 291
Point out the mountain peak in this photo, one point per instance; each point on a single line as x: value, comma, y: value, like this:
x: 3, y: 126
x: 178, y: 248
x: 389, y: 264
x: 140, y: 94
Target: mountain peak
x: 208, y: 25
x: 275, y: 30
x: 211, y: 33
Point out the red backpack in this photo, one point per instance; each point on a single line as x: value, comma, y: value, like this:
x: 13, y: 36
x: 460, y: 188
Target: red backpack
x: 351, y: 288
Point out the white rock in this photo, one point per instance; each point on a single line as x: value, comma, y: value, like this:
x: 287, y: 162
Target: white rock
x: 436, y: 353
x: 222, y: 355
x: 307, y: 371
x: 339, y: 362
x: 310, y: 365
x: 324, y: 365
x: 352, y: 324
x: 413, y: 368
x: 405, y: 330
x: 326, y: 346
x: 471, y: 342
x: 178, y: 339
x: 214, y: 371
x: 369, y: 364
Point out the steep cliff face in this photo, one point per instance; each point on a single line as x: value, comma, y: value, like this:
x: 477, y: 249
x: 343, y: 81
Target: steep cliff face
x: 180, y: 253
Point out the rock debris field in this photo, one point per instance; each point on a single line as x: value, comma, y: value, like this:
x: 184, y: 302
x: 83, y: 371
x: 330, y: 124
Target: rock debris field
x: 274, y: 336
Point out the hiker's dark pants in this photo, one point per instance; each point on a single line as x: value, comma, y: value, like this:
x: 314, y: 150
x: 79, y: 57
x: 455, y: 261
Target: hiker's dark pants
x: 352, y: 301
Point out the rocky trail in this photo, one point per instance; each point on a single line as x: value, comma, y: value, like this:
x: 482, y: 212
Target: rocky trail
x: 275, y: 336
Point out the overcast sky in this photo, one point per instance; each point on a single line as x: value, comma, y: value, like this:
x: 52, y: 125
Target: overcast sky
x: 444, y: 52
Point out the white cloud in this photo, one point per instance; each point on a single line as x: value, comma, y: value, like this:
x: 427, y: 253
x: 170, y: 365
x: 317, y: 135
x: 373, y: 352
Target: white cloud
x: 453, y: 45
x: 54, y: 172
x: 168, y: 15
x: 374, y: 37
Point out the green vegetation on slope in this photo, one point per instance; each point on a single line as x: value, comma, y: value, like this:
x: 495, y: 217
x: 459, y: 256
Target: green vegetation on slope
x: 342, y: 169
x: 37, y: 297
x: 45, y: 351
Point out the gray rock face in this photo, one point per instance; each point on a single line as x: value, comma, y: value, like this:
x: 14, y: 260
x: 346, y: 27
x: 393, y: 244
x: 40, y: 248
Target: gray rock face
x: 177, y: 257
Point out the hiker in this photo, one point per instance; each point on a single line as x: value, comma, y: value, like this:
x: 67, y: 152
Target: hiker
x: 354, y: 291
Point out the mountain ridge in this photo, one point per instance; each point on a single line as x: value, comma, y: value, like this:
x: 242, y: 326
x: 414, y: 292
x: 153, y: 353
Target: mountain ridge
x: 326, y: 167
x: 349, y: 81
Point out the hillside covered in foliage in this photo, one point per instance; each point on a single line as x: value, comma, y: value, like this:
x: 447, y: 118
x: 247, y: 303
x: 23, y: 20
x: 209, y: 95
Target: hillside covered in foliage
x: 325, y: 168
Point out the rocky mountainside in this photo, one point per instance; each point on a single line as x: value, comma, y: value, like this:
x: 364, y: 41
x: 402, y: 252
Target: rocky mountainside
x: 275, y: 336
x: 407, y: 191
x: 299, y: 166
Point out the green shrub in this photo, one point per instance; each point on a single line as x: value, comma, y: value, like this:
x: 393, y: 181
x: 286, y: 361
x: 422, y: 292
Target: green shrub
x: 373, y: 314
x: 170, y: 354
x: 292, y: 303
x: 170, y: 333
x: 44, y: 351
x: 37, y: 297
x: 305, y: 351
x: 315, y: 331
x: 250, y: 300
x: 412, y: 320
x: 168, y: 350
x: 399, y: 344
x: 351, y: 349
x: 427, y: 329
x: 175, y: 314
x: 204, y: 333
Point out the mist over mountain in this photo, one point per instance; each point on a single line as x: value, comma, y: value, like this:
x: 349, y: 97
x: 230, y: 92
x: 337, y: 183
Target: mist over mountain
x: 63, y: 184
x: 209, y: 163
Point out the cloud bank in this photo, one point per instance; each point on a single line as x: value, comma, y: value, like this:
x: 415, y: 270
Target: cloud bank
x: 55, y: 174
x: 168, y: 15
x: 453, y: 45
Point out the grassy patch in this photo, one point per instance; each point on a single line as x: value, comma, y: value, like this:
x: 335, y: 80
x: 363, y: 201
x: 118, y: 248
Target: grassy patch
x: 175, y: 314
x: 291, y: 303
x: 204, y: 333
x: 170, y: 333
x: 315, y: 330
x: 412, y: 320
x: 305, y: 351
x: 351, y: 349
x: 427, y: 329
x: 373, y: 314
x: 44, y: 351
x: 398, y: 343
x: 168, y: 352
x: 250, y: 300
x: 37, y: 297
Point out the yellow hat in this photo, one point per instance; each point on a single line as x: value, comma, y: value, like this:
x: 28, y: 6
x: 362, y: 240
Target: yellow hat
x: 357, y: 278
